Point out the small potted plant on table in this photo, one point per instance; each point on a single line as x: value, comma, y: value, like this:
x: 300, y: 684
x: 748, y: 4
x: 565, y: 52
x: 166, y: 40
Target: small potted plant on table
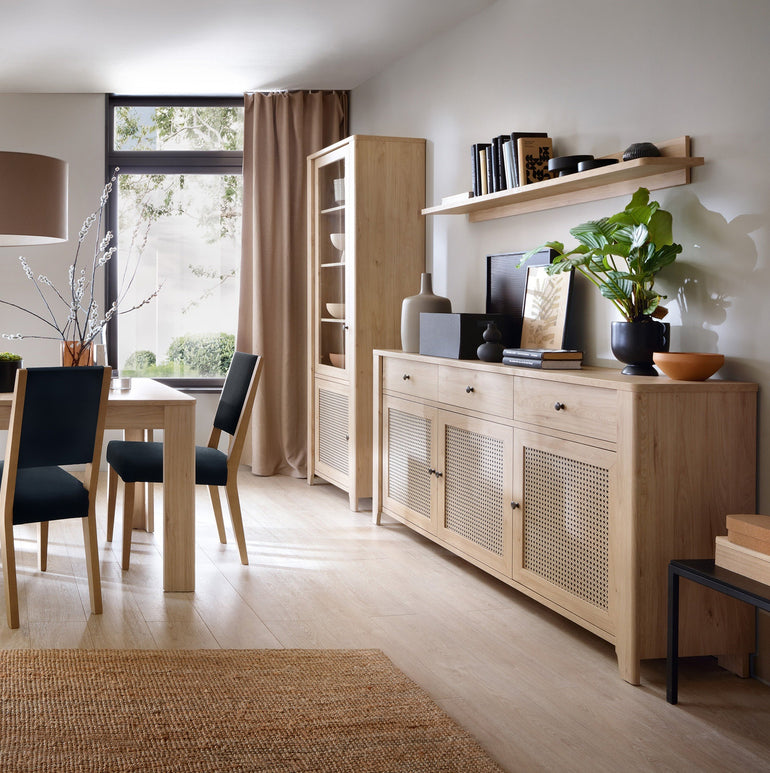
x: 621, y: 255
x: 9, y: 364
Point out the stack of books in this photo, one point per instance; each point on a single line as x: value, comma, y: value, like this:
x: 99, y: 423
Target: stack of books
x: 556, y: 359
x: 509, y: 161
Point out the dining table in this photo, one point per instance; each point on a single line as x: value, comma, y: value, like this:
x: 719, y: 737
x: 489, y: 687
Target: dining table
x: 148, y: 405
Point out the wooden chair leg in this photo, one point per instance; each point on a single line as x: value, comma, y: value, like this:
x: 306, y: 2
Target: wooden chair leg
x: 42, y: 546
x: 150, y: 495
x: 9, y: 570
x: 217, y: 505
x: 92, y: 562
x: 128, y: 521
x: 235, y: 516
x: 112, y: 496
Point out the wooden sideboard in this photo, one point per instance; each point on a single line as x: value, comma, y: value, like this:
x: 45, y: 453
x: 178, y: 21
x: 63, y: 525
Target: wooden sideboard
x: 576, y: 487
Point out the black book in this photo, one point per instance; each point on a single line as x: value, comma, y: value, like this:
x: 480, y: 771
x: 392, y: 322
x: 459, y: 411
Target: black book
x: 477, y: 171
x: 544, y: 354
x: 525, y: 362
x: 515, y: 148
x: 495, y: 150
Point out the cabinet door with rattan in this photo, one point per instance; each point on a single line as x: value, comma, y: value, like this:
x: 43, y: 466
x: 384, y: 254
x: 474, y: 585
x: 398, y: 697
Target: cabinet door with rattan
x: 409, y: 462
x: 563, y: 526
x: 474, y: 474
x: 332, y: 431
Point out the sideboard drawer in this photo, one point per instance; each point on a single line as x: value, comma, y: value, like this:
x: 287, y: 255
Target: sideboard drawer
x: 584, y: 410
x: 478, y: 390
x: 408, y: 377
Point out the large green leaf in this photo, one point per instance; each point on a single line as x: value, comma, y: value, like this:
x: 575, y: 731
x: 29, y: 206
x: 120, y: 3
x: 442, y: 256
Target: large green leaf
x: 660, y: 228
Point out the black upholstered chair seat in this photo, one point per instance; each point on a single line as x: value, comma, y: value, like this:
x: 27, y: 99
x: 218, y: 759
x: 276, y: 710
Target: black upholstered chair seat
x: 51, y: 490
x: 139, y: 461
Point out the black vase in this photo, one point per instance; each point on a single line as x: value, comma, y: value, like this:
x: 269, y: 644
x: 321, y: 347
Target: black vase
x: 634, y: 343
x: 491, y: 350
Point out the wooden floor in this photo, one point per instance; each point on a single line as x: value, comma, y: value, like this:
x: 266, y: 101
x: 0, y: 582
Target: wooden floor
x: 537, y: 691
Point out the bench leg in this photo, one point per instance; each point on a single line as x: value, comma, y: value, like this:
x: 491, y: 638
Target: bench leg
x: 672, y: 654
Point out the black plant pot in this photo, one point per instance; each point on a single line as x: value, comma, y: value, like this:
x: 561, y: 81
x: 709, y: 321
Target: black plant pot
x: 8, y: 370
x: 634, y: 343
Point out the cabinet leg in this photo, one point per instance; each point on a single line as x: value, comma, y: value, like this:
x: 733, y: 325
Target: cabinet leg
x: 737, y: 662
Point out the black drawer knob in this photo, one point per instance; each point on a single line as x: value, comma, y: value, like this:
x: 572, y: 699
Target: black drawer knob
x: 405, y: 377
x: 559, y: 406
x: 469, y: 389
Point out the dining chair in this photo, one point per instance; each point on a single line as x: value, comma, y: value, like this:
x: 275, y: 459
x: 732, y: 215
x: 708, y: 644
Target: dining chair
x: 137, y: 462
x: 57, y: 419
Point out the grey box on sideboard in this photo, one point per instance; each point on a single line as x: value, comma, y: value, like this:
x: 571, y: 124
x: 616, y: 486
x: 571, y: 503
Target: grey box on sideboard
x: 458, y: 335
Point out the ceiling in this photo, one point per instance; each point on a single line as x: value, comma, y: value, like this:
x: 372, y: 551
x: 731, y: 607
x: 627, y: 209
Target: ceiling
x: 211, y: 46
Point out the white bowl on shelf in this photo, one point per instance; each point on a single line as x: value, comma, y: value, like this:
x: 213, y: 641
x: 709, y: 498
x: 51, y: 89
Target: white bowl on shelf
x: 336, y: 310
x: 338, y: 360
x: 338, y: 240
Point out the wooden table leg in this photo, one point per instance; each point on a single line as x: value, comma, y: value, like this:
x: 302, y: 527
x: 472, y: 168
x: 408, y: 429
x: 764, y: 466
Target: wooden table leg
x: 179, y: 498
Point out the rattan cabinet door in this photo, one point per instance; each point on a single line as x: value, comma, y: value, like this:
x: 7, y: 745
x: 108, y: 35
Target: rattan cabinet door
x: 332, y: 431
x: 409, y: 462
x: 474, y: 477
x: 563, y: 524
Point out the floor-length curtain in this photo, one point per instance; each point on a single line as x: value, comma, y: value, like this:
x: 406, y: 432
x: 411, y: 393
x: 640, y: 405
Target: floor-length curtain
x: 281, y: 130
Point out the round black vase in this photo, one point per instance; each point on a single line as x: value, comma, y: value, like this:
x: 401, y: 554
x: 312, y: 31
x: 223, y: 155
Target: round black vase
x: 491, y: 350
x: 634, y: 343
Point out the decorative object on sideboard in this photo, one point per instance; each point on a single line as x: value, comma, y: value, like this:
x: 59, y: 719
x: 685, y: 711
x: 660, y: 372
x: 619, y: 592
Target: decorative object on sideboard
x: 491, y: 350
x: 546, y: 305
x: 688, y: 366
x: 635, y: 344
x: 564, y: 165
x: 457, y: 336
x: 622, y: 255
x: 338, y: 241
x: 641, y: 150
x: 596, y: 163
x: 81, y: 322
x: 413, y: 306
x: 339, y: 190
x: 9, y: 364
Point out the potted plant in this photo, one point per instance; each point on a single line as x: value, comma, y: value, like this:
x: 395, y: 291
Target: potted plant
x: 622, y: 255
x: 9, y: 364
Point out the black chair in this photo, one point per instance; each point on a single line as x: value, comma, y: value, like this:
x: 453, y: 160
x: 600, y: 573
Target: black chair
x: 57, y: 418
x: 137, y: 462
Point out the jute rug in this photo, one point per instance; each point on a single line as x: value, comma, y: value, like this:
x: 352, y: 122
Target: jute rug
x: 222, y: 710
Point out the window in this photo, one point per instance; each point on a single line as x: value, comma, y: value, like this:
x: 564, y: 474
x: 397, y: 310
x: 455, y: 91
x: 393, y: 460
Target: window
x: 175, y: 213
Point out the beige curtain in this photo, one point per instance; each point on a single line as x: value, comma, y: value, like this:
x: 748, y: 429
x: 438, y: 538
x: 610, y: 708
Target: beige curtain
x: 282, y: 129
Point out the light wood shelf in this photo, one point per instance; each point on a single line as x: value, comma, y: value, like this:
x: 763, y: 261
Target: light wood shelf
x: 666, y: 171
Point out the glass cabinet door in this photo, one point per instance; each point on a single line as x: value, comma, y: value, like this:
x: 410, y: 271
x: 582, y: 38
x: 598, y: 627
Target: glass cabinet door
x: 330, y: 232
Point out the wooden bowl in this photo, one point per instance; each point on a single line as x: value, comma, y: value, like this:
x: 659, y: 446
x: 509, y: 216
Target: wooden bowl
x: 336, y: 310
x: 688, y: 366
x: 338, y: 360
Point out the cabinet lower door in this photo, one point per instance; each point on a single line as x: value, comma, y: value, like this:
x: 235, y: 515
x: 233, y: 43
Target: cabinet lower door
x: 332, y: 432
x: 409, y: 459
x: 474, y: 476
x: 563, y: 530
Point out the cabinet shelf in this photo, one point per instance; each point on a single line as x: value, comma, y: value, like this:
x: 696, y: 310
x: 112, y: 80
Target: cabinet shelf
x: 331, y: 210
x: 668, y: 170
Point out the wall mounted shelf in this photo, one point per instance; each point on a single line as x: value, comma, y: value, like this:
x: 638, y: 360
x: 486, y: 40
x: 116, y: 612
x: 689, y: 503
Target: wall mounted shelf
x: 666, y: 171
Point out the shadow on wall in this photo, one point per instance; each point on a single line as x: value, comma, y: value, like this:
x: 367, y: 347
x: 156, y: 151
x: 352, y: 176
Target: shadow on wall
x: 714, y: 282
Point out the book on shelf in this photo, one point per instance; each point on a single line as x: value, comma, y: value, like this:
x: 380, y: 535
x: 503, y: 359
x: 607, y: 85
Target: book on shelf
x: 526, y: 362
x: 510, y: 178
x: 479, y: 166
x: 544, y: 354
x: 534, y: 154
x: 515, y: 137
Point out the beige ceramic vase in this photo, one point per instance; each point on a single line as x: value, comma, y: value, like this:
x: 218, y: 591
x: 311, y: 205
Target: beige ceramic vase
x: 413, y: 306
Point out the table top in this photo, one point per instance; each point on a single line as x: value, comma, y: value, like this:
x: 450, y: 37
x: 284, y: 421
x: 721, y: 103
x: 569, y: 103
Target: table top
x: 738, y: 585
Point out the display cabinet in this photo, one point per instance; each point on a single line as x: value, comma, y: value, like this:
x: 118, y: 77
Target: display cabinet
x: 366, y: 251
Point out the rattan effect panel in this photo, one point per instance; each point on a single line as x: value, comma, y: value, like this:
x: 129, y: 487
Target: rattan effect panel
x: 473, y: 479
x: 333, y: 429
x: 409, y: 457
x: 566, y: 524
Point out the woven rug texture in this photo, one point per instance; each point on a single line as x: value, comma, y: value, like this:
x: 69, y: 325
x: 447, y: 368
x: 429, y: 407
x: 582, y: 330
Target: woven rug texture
x: 222, y: 710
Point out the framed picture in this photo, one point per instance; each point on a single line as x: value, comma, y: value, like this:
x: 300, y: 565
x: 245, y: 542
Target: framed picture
x: 546, y: 303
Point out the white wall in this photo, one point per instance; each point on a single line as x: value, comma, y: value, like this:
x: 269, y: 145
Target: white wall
x: 599, y: 75
x: 71, y: 127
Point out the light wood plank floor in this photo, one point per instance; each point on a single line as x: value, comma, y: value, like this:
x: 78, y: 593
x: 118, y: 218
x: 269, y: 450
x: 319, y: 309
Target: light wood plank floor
x: 538, y: 692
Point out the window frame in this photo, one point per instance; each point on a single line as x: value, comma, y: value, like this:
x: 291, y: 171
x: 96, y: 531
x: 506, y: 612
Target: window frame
x: 161, y: 162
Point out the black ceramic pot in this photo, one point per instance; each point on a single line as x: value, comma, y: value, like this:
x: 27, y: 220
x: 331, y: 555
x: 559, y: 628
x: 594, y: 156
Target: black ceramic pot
x: 8, y: 370
x: 634, y: 343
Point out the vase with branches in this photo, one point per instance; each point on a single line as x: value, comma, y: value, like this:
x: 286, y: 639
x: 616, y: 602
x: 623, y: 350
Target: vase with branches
x: 73, y: 314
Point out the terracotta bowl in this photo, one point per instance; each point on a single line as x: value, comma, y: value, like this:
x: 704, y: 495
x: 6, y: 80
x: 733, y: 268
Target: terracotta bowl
x: 338, y: 360
x: 688, y: 366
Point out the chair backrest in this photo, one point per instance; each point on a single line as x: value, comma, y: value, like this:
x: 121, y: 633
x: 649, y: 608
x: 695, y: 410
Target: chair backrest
x: 63, y: 415
x: 235, y: 391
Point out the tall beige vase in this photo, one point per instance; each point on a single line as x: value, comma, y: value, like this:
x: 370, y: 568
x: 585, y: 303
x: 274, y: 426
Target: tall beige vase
x: 413, y: 306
